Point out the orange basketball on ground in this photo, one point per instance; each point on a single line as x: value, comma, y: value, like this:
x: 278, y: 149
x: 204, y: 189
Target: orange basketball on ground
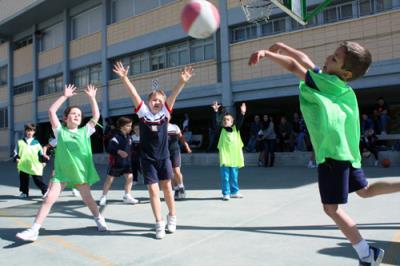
x: 385, y: 163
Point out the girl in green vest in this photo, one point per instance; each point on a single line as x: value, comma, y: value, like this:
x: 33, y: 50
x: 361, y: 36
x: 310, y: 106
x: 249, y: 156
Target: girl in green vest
x: 74, y: 165
x: 230, y: 152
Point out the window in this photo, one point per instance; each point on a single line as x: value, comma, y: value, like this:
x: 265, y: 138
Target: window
x: 157, y: 59
x: 121, y: 9
x: 51, y: 85
x: 339, y: 12
x: 23, y: 88
x: 141, y: 6
x: 201, y: 49
x: 382, y: 5
x: 86, y: 23
x: 4, y: 117
x: 52, y: 37
x: 23, y: 42
x: 87, y: 75
x: 3, y: 76
x: 273, y: 26
x: 242, y: 33
x: 138, y: 64
x: 178, y: 55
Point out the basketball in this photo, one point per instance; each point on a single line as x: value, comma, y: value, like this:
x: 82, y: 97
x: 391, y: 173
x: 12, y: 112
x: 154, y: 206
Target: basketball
x: 200, y: 19
x: 385, y: 163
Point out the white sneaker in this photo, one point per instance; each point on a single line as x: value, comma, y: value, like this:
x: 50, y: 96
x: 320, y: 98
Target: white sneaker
x: 236, y: 196
x: 160, y: 230
x: 45, y: 194
x: 103, y: 200
x: 23, y: 196
x: 129, y: 199
x: 28, y: 235
x: 375, y: 257
x: 226, y: 197
x: 75, y: 193
x: 101, y: 223
x: 311, y: 164
x: 376, y: 163
x: 171, y: 223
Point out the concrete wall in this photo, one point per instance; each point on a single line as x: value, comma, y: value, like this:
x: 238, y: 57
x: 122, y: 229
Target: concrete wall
x: 3, y: 94
x: 51, y: 57
x: 9, y: 8
x: 85, y: 45
x: 23, y: 61
x: 23, y: 108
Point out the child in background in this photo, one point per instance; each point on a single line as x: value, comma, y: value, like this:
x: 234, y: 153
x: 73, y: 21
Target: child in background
x: 74, y: 165
x: 135, y: 153
x: 330, y: 110
x: 230, y: 152
x: 119, y: 148
x: 26, y: 154
x: 154, y: 154
x: 174, y: 136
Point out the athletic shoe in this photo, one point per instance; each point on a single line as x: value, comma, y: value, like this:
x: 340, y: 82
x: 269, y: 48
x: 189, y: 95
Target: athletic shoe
x: 236, y: 196
x: 182, y: 193
x: 311, y: 164
x: 171, y: 223
x: 176, y: 194
x: 101, y: 223
x: 375, y: 257
x: 129, y: 199
x: 45, y: 194
x: 28, y: 235
x: 160, y: 230
x: 103, y: 200
x: 226, y: 197
x: 23, y: 196
x: 75, y: 193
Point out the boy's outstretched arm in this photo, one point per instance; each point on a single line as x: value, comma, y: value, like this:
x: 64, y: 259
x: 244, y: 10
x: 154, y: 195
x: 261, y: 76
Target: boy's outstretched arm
x: 91, y: 93
x: 122, y: 72
x: 298, y: 55
x: 285, y: 61
x: 186, y: 74
x: 69, y: 91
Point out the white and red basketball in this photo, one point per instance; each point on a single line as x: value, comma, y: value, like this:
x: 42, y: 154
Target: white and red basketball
x: 200, y: 19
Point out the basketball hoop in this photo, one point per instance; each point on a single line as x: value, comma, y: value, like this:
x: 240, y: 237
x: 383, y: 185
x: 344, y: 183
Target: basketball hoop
x: 256, y: 11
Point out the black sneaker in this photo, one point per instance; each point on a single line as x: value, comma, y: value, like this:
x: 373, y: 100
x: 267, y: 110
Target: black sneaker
x: 176, y: 195
x: 375, y: 257
x: 182, y: 193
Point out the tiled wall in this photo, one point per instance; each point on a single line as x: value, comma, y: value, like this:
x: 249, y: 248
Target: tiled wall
x: 51, y: 57
x: 23, y: 107
x: 85, y: 45
x: 45, y: 101
x: 23, y: 61
x: 82, y: 99
x: 4, y: 51
x: 378, y: 33
x: 3, y: 93
x: 205, y: 74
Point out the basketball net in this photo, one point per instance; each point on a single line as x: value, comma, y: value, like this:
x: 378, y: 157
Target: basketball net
x: 256, y: 11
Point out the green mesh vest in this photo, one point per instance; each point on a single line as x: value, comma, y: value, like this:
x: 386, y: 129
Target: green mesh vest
x: 73, y: 160
x: 230, y: 148
x: 332, y: 118
x: 29, y: 158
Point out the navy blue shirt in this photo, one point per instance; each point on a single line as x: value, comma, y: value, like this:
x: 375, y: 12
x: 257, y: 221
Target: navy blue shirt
x: 119, y: 141
x: 153, y: 132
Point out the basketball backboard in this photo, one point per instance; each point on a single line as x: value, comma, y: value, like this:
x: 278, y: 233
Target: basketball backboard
x: 258, y: 10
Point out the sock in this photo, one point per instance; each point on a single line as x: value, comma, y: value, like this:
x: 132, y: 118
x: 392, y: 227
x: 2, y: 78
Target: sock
x: 181, y: 186
x: 36, y: 226
x: 362, y: 249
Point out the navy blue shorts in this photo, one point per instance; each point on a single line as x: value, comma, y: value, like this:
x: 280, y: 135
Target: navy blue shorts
x: 154, y: 171
x: 118, y: 171
x: 175, y: 159
x: 336, y: 179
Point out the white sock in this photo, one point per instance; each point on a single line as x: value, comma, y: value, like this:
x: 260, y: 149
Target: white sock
x: 362, y: 249
x: 181, y: 186
x: 36, y: 226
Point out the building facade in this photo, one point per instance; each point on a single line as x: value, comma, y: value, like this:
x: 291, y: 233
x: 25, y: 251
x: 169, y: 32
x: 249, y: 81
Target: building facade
x: 46, y: 44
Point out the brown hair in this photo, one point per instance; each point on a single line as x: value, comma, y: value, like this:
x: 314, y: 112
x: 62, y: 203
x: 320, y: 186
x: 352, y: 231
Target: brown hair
x: 68, y: 110
x: 154, y: 92
x: 30, y: 127
x: 357, y: 59
x: 122, y: 121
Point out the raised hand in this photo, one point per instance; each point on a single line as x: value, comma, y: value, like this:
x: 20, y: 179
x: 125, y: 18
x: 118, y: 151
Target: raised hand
x: 91, y: 91
x: 186, y: 73
x: 215, y: 106
x: 120, y: 70
x: 69, y: 90
x: 243, y: 108
x: 255, y: 57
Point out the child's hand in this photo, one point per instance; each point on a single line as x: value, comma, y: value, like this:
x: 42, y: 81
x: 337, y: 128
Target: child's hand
x: 186, y: 73
x: 120, y: 70
x: 243, y: 108
x: 122, y: 153
x: 91, y: 91
x: 215, y: 106
x: 69, y: 90
x: 276, y: 47
x: 255, y: 57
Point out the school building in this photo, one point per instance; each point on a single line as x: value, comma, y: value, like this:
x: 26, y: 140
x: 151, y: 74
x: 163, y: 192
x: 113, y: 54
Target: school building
x: 46, y: 44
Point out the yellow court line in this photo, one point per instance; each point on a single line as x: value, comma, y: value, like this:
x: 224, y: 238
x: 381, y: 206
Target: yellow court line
x: 392, y: 254
x: 65, y: 244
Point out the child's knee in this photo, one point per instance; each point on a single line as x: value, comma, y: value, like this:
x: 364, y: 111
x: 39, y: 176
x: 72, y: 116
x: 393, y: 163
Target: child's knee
x: 330, y: 209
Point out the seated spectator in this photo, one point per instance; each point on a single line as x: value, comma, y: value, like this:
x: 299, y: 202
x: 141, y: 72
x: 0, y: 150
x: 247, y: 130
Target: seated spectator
x: 382, y: 110
x: 366, y: 124
x: 284, y: 133
x: 254, y: 129
x: 368, y: 145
